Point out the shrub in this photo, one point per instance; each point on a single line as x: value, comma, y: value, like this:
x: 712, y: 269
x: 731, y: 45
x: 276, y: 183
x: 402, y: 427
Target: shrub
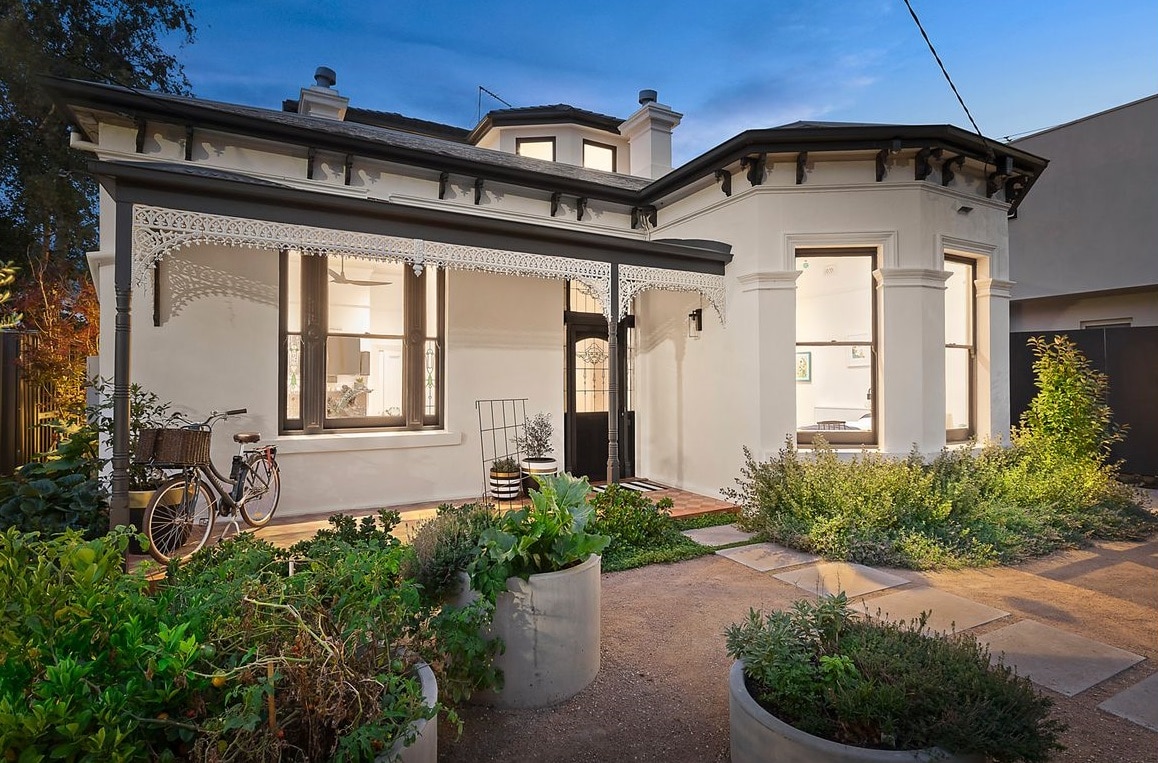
x: 629, y: 518
x: 885, y: 685
x: 445, y: 546
x: 60, y: 492
x: 91, y: 666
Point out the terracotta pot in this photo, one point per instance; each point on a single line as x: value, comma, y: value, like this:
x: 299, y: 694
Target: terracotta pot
x: 757, y: 736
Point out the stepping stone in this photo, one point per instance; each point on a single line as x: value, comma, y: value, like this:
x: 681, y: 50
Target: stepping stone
x: 946, y: 611
x: 834, y: 577
x: 1057, y: 659
x: 766, y: 556
x: 720, y: 535
x: 1139, y: 703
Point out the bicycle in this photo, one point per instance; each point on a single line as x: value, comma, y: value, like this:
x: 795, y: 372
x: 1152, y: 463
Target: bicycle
x: 180, y: 516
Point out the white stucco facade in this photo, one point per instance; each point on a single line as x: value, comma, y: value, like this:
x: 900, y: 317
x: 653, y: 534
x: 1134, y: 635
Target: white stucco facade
x: 697, y: 401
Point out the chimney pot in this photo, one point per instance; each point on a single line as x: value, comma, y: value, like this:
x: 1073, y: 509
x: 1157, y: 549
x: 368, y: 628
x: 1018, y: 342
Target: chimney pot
x: 648, y: 96
x: 324, y: 76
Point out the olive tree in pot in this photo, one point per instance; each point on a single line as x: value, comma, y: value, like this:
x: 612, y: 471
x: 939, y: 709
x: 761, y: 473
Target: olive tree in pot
x: 818, y: 684
x: 535, y: 443
x: 541, y: 569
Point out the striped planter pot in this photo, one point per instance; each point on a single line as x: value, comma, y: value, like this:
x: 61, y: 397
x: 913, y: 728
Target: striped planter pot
x: 537, y: 467
x: 506, y: 486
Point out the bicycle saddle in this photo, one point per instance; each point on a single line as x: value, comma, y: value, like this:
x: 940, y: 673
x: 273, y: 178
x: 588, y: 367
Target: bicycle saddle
x: 247, y: 437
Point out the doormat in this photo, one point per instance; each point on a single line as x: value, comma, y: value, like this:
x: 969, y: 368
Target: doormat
x: 639, y: 486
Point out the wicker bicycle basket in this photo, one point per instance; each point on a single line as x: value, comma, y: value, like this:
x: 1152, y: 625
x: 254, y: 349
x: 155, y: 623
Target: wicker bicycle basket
x: 175, y: 447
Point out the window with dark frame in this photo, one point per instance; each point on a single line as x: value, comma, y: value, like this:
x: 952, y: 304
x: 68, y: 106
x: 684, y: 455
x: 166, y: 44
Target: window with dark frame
x: 960, y: 348
x: 536, y: 148
x: 361, y: 344
x: 598, y: 156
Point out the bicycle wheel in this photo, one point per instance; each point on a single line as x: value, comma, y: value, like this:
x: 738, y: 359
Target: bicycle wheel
x: 262, y: 490
x: 179, y: 518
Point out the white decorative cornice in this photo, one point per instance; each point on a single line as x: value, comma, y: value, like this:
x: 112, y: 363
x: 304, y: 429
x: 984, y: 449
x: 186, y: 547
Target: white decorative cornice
x: 994, y: 287
x: 924, y: 278
x: 768, y: 280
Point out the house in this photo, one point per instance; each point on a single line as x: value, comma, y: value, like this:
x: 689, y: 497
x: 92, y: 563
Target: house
x: 1086, y: 263
x: 364, y: 282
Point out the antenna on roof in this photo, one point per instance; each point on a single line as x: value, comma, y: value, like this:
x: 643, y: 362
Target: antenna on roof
x: 482, y: 90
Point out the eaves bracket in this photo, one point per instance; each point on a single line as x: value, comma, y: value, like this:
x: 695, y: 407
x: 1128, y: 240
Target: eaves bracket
x: 923, y: 167
x: 725, y: 179
x: 755, y: 166
x: 801, y: 160
x: 947, y: 173
x: 644, y: 217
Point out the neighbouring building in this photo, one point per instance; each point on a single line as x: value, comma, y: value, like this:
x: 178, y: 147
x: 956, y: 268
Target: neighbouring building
x: 1087, y: 264
x: 366, y: 284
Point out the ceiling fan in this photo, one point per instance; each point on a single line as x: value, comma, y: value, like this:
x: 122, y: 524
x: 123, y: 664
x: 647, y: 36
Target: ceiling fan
x: 339, y: 276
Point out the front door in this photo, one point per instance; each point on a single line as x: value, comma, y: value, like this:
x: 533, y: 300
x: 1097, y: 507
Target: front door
x: 586, y: 416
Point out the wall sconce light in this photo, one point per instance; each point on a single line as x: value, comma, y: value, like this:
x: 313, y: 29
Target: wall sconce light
x: 695, y: 323
x: 964, y: 209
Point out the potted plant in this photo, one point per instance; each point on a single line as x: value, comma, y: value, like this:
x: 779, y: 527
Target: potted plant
x: 541, y: 569
x: 816, y: 683
x: 506, y: 479
x: 535, y: 443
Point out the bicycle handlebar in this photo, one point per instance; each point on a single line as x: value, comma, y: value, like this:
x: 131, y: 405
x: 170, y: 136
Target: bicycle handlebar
x: 208, y: 422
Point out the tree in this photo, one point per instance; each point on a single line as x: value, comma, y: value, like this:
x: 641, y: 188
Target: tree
x: 47, y: 201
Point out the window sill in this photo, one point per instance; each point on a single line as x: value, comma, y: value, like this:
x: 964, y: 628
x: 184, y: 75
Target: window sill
x: 337, y: 442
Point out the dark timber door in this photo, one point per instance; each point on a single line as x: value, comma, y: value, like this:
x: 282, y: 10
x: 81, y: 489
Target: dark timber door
x: 586, y: 414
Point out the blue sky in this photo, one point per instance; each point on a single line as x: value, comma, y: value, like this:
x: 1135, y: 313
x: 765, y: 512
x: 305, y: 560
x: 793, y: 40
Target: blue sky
x: 1021, y: 65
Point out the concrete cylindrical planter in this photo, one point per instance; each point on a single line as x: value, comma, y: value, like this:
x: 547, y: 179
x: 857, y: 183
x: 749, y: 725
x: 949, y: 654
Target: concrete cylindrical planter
x: 757, y: 735
x: 506, y: 486
x: 550, y: 625
x: 424, y: 748
x: 537, y: 467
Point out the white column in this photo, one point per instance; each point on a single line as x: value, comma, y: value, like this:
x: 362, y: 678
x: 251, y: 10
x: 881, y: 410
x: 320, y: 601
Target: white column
x: 775, y: 296
x: 910, y: 359
x: 993, y: 359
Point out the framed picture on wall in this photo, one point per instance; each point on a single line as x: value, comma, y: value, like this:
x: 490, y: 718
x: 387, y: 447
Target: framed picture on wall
x: 858, y: 355
x: 804, y: 366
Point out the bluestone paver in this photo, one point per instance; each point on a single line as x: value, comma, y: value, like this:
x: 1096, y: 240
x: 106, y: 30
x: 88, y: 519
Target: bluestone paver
x: 1057, y: 659
x: 720, y: 535
x: 763, y: 557
x: 947, y: 612
x: 833, y: 577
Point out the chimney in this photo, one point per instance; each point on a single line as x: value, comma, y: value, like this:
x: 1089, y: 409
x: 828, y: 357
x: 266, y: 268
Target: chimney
x: 648, y: 133
x: 322, y: 100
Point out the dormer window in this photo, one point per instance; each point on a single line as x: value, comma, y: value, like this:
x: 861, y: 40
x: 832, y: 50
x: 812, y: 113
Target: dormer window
x: 598, y: 156
x: 536, y: 148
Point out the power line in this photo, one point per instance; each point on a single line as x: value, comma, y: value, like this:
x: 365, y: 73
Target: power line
x: 948, y: 79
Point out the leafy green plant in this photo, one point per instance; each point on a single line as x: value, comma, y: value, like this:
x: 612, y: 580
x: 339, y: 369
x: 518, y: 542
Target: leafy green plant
x: 445, y: 545
x: 1069, y: 416
x: 91, y: 666
x: 885, y: 685
x: 536, y: 438
x: 60, y: 492
x: 547, y: 536
x: 146, y: 411
x: 629, y: 518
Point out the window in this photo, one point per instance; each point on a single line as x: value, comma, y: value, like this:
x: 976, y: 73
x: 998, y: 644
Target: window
x: 361, y: 344
x: 598, y: 156
x: 960, y: 352
x: 536, y: 148
x: 835, y: 345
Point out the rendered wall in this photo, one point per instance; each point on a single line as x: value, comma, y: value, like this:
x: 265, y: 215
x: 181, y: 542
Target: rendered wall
x: 1089, y: 223
x: 701, y: 401
x: 217, y: 349
x: 1065, y: 313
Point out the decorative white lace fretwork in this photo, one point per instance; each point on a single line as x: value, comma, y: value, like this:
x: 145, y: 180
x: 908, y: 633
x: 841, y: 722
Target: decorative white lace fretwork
x: 634, y: 279
x: 157, y: 231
